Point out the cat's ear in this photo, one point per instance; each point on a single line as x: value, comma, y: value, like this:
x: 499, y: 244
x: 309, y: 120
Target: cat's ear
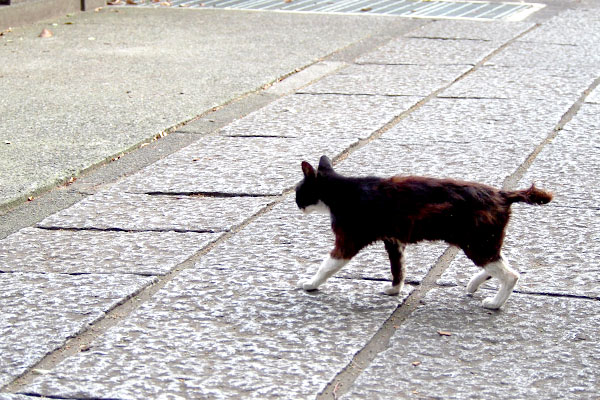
x: 325, y: 164
x: 308, y: 170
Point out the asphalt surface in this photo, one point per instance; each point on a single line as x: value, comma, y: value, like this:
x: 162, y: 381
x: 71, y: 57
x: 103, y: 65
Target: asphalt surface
x: 171, y: 271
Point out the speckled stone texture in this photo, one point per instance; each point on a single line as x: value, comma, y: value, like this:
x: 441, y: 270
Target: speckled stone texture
x: 499, y: 31
x: 568, y: 166
x: 485, y: 162
x: 8, y: 396
x: 515, y: 353
x: 139, y: 212
x: 40, y: 311
x: 594, y: 97
x: 79, y: 252
x: 326, y: 116
x: 390, y: 80
x: 524, y: 84
x: 246, y: 165
x: 547, y: 57
x: 475, y: 120
x: 579, y: 27
x: 426, y: 51
x: 235, y: 326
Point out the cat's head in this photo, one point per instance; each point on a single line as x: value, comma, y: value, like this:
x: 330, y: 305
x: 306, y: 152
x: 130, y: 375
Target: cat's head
x: 308, y: 192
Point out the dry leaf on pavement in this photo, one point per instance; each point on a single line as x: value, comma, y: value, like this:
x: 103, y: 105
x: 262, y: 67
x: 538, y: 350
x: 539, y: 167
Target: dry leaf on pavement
x: 46, y: 33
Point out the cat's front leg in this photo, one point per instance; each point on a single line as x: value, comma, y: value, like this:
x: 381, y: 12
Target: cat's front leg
x: 328, y: 267
x: 395, y: 250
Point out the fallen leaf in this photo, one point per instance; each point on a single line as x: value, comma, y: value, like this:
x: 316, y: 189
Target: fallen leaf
x: 45, y: 33
x: 68, y: 23
x: 366, y: 9
x: 165, y: 4
x: 444, y: 333
x: 114, y: 2
x: 97, y: 9
x: 287, y: 1
x: 132, y: 2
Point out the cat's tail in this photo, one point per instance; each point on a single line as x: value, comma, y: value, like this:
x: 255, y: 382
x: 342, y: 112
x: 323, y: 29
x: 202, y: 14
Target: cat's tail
x: 532, y: 195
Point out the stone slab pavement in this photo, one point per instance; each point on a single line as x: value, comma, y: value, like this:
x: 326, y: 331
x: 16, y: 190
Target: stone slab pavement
x: 177, y: 277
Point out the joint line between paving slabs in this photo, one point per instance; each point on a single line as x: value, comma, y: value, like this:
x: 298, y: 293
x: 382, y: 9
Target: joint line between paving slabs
x: 114, y: 229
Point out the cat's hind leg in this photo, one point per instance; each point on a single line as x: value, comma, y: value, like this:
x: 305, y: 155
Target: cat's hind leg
x: 508, y: 278
x: 328, y: 267
x: 395, y: 252
x: 477, y: 280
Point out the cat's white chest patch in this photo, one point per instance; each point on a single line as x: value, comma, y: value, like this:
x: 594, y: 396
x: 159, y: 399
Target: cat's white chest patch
x: 320, y: 208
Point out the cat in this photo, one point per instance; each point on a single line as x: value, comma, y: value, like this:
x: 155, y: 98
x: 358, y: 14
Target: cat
x: 407, y: 209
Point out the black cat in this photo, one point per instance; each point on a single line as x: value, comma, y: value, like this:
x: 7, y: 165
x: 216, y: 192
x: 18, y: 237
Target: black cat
x: 401, y: 210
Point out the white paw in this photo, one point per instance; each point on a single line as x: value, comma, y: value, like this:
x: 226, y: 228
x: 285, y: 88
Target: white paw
x: 490, y: 303
x: 472, y: 287
x: 307, y: 285
x: 391, y: 290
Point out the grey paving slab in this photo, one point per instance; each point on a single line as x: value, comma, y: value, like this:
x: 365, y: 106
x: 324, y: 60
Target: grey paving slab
x: 518, y: 352
x: 40, y: 311
x: 10, y: 396
x: 579, y: 27
x: 285, y: 241
x: 474, y: 30
x: 79, y: 252
x: 594, y: 97
x: 138, y: 212
x: 247, y: 165
x: 233, y: 333
x: 556, y: 250
x: 426, y: 51
x: 392, y: 80
x: 326, y: 116
x: 485, y: 162
x: 569, y: 165
x: 549, y: 56
x: 522, y: 83
x: 462, y: 120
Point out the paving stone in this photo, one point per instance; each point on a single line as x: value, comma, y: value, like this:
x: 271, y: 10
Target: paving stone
x: 134, y: 211
x: 518, y: 352
x: 499, y: 31
x: 391, y: 80
x: 396, y: 153
x: 247, y: 165
x: 79, y: 252
x: 425, y: 51
x: 234, y: 333
x: 466, y: 120
x: 580, y: 27
x: 10, y: 396
x: 326, y: 116
x: 285, y: 241
x: 594, y: 97
x: 40, y: 311
x: 548, y: 56
x: 556, y: 250
x: 522, y: 83
x: 568, y: 166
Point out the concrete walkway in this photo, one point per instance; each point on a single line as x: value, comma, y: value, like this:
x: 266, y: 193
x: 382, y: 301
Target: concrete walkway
x: 171, y: 272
